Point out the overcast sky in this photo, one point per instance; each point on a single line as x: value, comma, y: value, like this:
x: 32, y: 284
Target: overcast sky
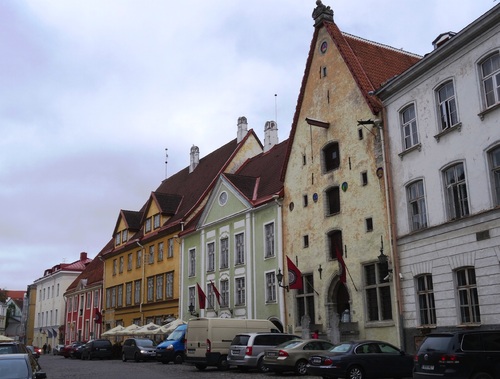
x: 92, y: 93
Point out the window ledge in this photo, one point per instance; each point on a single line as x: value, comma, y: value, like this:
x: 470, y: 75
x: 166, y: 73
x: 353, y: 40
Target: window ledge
x: 488, y: 110
x: 418, y: 147
x: 379, y: 324
x: 456, y: 127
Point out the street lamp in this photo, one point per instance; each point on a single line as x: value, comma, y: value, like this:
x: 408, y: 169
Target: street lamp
x: 279, y: 276
x: 191, y: 310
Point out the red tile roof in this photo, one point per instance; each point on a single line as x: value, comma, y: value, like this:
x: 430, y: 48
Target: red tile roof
x: 14, y: 294
x: 370, y: 63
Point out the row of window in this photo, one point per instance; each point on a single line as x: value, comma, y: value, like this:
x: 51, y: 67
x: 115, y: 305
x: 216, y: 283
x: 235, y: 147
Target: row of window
x: 158, y: 287
x: 151, y: 223
x: 466, y: 295
x: 446, y: 103
x: 45, y: 318
x: 455, y: 191
x: 49, y: 291
x: 79, y: 302
x: 154, y: 251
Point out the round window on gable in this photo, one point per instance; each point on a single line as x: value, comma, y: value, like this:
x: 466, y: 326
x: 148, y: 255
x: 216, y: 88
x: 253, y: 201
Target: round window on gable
x: 223, y: 198
x: 323, y: 47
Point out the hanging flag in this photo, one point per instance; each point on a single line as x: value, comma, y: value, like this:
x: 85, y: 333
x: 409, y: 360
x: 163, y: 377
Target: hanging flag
x: 98, y: 316
x: 342, y: 268
x: 201, y: 297
x: 216, y: 291
x: 294, y: 275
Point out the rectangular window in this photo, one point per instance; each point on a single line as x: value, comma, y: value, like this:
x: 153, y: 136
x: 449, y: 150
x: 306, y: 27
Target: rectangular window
x: 89, y: 299
x: 416, y: 205
x: 426, y: 306
x: 269, y: 242
x: 304, y: 200
x: 169, y: 289
x: 120, y: 268
x: 239, y: 242
x: 147, y: 226
x: 124, y: 236
x: 377, y: 292
x: 364, y: 178
x: 96, y: 299
x: 210, y: 296
x: 331, y: 157
x: 115, y: 266
x: 306, y: 241
x: 305, y: 300
x: 118, y: 238
x: 447, y: 105
x: 335, y: 244
x: 224, y: 293
x: 224, y: 253
x: 119, y: 296
x: 211, y: 256
x: 170, y: 248
x: 108, y: 298
x: 192, y: 296
x: 138, y: 261
x: 270, y: 287
x: 156, y: 221
x: 151, y: 257
x: 192, y: 262
x: 160, y: 251
x: 468, y: 296
x: 369, y: 224
x: 113, y: 297
x: 239, y: 294
x: 456, y: 191
x: 159, y: 287
x: 495, y: 173
x: 409, y: 127
x: 332, y: 196
x: 490, y: 70
x: 130, y: 260
x: 137, y: 291
x: 128, y: 294
x: 151, y: 286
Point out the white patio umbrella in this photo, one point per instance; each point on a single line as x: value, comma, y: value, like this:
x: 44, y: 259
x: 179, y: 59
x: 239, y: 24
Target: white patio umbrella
x: 113, y: 331
x: 170, y: 327
x: 147, y: 329
x: 128, y: 331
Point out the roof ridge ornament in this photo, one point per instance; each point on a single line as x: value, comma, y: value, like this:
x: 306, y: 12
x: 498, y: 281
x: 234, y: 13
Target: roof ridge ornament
x: 322, y: 13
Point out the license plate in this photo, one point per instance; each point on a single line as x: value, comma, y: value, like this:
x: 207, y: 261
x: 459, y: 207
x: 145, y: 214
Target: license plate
x: 427, y: 367
x: 271, y: 354
x: 316, y: 361
x: 191, y: 351
x: 235, y: 352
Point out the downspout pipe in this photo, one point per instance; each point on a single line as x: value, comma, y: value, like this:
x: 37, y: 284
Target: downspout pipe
x: 143, y: 263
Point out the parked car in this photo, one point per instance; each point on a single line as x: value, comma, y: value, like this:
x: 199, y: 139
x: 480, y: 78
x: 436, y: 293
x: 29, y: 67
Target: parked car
x: 101, y: 348
x: 294, y: 355
x: 20, y: 366
x: 247, y: 349
x: 173, y: 348
x: 56, y: 350
x: 36, y: 351
x: 138, y: 349
x: 362, y: 359
x: 77, y: 351
x: 13, y: 347
x: 459, y: 355
x: 69, y: 349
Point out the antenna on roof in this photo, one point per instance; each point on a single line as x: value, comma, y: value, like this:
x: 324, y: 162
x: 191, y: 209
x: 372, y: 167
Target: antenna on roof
x: 276, y: 108
x: 166, y: 162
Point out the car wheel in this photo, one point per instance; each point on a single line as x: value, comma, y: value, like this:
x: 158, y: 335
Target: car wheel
x: 301, y: 367
x: 482, y: 375
x: 355, y: 372
x: 136, y: 357
x: 222, y: 365
x: 261, y: 367
x: 124, y: 358
x: 200, y: 366
x: 179, y: 359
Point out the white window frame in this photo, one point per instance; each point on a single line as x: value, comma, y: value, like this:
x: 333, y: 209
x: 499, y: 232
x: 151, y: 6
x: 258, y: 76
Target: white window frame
x: 417, y: 210
x: 409, y: 127
x: 456, y: 191
x: 224, y: 252
x: 239, y: 291
x: 224, y: 293
x: 447, y: 105
x: 494, y: 162
x: 425, y: 300
x: 211, y: 256
x: 269, y: 240
x: 169, y: 285
x: 271, y: 287
x: 467, y: 296
x: 192, y: 262
x: 239, y: 248
x: 490, y: 79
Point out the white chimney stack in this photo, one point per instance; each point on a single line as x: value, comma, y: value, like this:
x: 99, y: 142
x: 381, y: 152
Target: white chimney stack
x: 194, y: 158
x: 242, y: 128
x: 270, y: 135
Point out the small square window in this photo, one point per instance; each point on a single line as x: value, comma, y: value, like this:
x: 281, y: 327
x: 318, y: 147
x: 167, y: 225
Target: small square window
x: 304, y: 198
x: 323, y: 71
x: 369, y: 224
x: 306, y: 241
x: 360, y: 134
x: 304, y: 160
x: 364, y: 178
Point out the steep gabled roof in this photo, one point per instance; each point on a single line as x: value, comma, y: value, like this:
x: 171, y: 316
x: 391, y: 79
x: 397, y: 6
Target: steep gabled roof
x: 132, y: 219
x: 168, y: 203
x: 258, y: 179
x: 370, y: 63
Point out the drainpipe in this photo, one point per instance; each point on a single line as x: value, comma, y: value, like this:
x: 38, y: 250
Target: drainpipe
x: 392, y: 226
x: 143, y: 274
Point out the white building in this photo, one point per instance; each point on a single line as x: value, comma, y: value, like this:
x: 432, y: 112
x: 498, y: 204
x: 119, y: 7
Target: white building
x: 50, y: 303
x: 442, y: 132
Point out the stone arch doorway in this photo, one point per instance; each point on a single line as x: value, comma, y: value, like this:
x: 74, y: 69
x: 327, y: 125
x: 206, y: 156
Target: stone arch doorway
x: 338, y: 301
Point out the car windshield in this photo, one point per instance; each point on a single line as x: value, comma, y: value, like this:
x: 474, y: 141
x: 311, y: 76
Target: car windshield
x: 436, y: 343
x: 145, y: 342
x: 13, y: 368
x: 175, y: 335
x: 342, y: 348
x: 289, y: 344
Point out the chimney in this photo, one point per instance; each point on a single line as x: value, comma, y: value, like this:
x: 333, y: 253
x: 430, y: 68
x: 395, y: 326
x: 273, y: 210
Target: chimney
x: 194, y: 158
x: 83, y: 256
x: 442, y: 39
x: 270, y: 135
x: 242, y: 128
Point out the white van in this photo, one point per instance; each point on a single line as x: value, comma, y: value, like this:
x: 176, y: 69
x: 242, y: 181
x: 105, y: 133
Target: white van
x: 208, y: 339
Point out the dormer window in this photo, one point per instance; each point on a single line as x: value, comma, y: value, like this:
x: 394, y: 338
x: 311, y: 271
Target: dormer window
x: 156, y: 221
x: 118, y: 238
x: 147, y: 226
x: 124, y: 236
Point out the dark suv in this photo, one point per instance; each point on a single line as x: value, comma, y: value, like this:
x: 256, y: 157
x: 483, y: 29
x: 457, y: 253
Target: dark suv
x: 459, y: 355
x: 97, y: 349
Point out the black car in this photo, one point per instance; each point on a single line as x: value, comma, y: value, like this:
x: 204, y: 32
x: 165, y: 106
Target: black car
x: 459, y: 355
x: 101, y: 348
x: 362, y: 359
x: 138, y: 349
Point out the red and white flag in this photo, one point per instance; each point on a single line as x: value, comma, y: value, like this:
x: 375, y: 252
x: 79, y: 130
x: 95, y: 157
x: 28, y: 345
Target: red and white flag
x: 201, y: 297
x: 294, y: 276
x: 216, y: 291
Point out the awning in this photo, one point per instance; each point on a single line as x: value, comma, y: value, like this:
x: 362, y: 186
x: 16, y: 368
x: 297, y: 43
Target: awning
x: 54, y: 333
x: 49, y: 333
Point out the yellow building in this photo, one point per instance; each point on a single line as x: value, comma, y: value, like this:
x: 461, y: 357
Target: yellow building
x: 335, y: 205
x: 142, y: 271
